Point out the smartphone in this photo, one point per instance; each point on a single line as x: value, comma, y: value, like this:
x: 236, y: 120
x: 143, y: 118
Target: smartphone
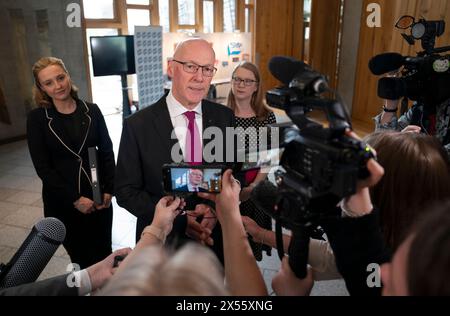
x: 182, y: 178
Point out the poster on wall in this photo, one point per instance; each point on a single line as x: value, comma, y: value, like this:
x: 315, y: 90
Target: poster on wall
x: 149, y: 68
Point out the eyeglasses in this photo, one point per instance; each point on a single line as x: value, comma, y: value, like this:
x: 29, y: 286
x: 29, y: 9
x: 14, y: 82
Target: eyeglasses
x: 192, y: 68
x: 247, y: 82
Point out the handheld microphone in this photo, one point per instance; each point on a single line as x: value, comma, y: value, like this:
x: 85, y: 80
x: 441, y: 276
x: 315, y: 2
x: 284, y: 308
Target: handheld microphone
x: 386, y: 62
x: 297, y: 74
x: 35, y: 252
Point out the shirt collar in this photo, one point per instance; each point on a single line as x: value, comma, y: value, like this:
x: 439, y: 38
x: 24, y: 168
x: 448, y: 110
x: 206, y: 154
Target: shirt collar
x: 176, y: 108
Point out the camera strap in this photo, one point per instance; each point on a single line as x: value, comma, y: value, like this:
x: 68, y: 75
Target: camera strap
x: 279, y: 239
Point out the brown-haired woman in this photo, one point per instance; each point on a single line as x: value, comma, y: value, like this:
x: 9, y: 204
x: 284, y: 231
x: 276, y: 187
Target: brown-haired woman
x: 417, y: 173
x: 59, y: 133
x: 246, y: 101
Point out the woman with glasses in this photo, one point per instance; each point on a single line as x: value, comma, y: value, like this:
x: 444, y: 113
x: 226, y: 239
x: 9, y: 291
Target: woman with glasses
x: 246, y: 101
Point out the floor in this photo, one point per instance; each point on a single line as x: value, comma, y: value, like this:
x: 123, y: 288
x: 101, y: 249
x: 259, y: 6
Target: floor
x: 21, y: 208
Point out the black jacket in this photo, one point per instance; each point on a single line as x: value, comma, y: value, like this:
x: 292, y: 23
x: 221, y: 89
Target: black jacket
x: 356, y: 243
x: 56, y: 286
x: 64, y: 170
x: 145, y: 147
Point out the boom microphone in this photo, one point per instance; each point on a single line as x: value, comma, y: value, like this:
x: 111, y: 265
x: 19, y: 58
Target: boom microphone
x: 285, y: 68
x: 297, y: 74
x: 33, y: 255
x: 386, y: 62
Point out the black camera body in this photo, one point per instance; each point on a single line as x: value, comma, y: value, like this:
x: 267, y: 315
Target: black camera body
x: 424, y: 78
x: 320, y: 160
x: 321, y: 165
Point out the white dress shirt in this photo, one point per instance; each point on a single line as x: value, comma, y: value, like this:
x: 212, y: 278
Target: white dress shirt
x: 180, y: 121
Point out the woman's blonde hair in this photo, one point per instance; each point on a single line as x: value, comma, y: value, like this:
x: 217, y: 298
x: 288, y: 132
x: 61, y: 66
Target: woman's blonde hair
x: 257, y: 102
x: 40, y: 97
x: 192, y: 271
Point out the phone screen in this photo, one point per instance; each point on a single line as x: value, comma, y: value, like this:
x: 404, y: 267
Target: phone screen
x: 193, y: 179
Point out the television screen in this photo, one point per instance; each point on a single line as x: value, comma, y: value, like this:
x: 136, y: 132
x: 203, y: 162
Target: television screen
x: 113, y: 55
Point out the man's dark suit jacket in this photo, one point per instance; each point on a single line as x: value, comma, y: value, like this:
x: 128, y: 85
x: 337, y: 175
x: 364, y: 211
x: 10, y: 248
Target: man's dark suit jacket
x: 185, y: 188
x: 56, y: 286
x: 145, y: 147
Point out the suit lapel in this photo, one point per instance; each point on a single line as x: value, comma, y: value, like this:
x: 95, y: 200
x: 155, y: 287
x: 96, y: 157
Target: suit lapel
x: 208, y: 120
x: 57, y: 129
x: 86, y: 124
x: 164, y: 127
x: 208, y: 116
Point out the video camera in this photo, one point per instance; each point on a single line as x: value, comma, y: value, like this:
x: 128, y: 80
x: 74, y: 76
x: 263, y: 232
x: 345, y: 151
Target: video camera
x: 424, y: 78
x: 321, y: 165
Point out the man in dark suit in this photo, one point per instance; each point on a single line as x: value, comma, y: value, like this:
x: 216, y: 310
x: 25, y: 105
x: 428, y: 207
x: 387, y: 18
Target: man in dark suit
x: 195, y: 177
x: 154, y: 136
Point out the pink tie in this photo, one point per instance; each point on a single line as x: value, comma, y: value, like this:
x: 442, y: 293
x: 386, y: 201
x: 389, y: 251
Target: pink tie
x: 193, y: 149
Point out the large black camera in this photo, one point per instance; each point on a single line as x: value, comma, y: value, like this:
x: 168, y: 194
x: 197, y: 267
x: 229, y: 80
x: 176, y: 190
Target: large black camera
x: 424, y: 78
x: 320, y: 165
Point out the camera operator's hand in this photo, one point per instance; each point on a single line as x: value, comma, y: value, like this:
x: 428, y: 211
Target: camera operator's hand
x: 285, y: 283
x: 253, y: 229
x: 390, y: 105
x: 360, y: 204
x: 412, y: 129
x: 165, y: 212
x: 102, y: 271
x: 201, y: 231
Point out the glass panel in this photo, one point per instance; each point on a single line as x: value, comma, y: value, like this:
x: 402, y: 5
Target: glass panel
x: 247, y: 20
x: 307, y: 10
x: 18, y: 32
x: 229, y: 15
x: 164, y: 15
x: 208, y: 17
x: 145, y: 2
x: 307, y: 17
x: 98, y: 9
x: 4, y: 114
x: 106, y: 90
x: 188, y: 31
x: 137, y: 17
x: 186, y: 12
x: 42, y: 29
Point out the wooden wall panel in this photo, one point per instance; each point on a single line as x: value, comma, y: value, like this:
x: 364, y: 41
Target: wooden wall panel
x: 276, y: 31
x: 324, y: 37
x: 373, y: 41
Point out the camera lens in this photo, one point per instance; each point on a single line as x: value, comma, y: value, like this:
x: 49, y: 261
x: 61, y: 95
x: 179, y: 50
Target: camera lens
x: 418, y: 30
